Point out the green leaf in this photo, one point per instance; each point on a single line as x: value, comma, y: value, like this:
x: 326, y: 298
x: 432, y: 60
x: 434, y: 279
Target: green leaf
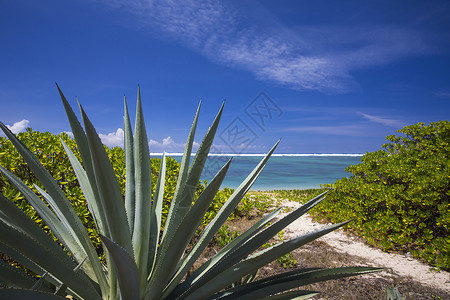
x: 178, y: 208
x: 26, y: 262
x: 98, y: 215
x: 47, y: 180
x: 27, y: 294
x: 294, y: 295
x: 255, y: 261
x: 257, y: 240
x: 220, y: 218
x: 109, y: 190
x: 55, y: 264
x: 81, y: 140
x: 22, y: 222
x: 129, y: 167
x: 172, y: 250
x: 14, y: 276
x: 209, y: 283
x: 143, y: 192
x: 285, y: 281
x: 67, y: 214
x: 93, y: 266
x: 83, y: 148
x: 88, y: 190
x: 237, y: 242
x: 183, y: 200
x: 196, y: 168
x: 155, y: 226
x: 126, y: 270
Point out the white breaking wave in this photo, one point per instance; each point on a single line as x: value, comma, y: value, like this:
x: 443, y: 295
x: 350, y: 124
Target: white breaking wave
x: 262, y: 154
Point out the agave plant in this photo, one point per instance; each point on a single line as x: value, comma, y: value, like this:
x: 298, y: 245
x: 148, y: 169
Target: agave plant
x: 142, y: 259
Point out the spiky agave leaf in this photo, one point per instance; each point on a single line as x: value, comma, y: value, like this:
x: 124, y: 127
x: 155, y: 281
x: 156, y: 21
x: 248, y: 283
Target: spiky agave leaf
x: 209, y: 284
x: 129, y: 167
x: 61, y: 267
x: 27, y: 294
x: 142, y: 192
x: 217, y: 222
x: 63, y: 208
x: 173, y: 251
x: 126, y: 269
x: 93, y: 199
x: 109, y: 190
x: 178, y: 207
x: 246, y: 246
x: 288, y: 280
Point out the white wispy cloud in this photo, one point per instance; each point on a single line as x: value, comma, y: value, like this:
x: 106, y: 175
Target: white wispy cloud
x: 443, y: 93
x: 113, y: 139
x: 383, y: 120
x: 317, y: 58
x: 17, y: 127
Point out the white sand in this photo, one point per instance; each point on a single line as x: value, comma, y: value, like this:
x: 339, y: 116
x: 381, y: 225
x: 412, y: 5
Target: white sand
x: 403, y: 265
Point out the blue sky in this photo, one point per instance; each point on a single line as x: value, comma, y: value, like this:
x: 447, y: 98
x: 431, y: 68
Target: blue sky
x: 325, y: 76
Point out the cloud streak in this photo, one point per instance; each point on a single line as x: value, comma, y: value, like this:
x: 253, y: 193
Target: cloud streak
x: 311, y: 58
x: 443, y: 94
x: 383, y: 121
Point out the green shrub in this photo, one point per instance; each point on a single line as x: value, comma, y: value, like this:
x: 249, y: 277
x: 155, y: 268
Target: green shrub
x: 224, y: 236
x: 399, y: 196
x: 286, y: 260
x: 50, y: 152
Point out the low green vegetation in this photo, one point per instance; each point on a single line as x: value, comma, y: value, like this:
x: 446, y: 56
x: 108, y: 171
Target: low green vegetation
x: 286, y: 260
x: 398, y: 197
x: 224, y: 236
x: 50, y: 152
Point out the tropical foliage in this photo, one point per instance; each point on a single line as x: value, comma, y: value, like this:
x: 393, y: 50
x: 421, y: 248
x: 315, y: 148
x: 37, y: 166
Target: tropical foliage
x: 399, y: 196
x: 49, y: 150
x: 141, y: 261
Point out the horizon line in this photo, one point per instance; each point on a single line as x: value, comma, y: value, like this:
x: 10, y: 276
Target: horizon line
x: 263, y: 154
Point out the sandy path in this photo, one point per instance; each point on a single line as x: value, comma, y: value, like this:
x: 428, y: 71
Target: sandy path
x: 399, y: 264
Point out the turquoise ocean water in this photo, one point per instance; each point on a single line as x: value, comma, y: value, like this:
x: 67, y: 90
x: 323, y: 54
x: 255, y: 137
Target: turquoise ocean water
x: 281, y: 171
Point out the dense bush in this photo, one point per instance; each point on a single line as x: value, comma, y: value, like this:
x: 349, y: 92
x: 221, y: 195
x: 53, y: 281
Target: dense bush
x: 399, y: 196
x: 49, y: 150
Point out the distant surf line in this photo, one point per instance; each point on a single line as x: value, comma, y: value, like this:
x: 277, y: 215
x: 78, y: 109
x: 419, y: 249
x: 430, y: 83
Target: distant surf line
x: 279, y: 155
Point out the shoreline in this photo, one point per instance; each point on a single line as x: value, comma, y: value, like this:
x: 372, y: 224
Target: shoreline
x: 263, y: 154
